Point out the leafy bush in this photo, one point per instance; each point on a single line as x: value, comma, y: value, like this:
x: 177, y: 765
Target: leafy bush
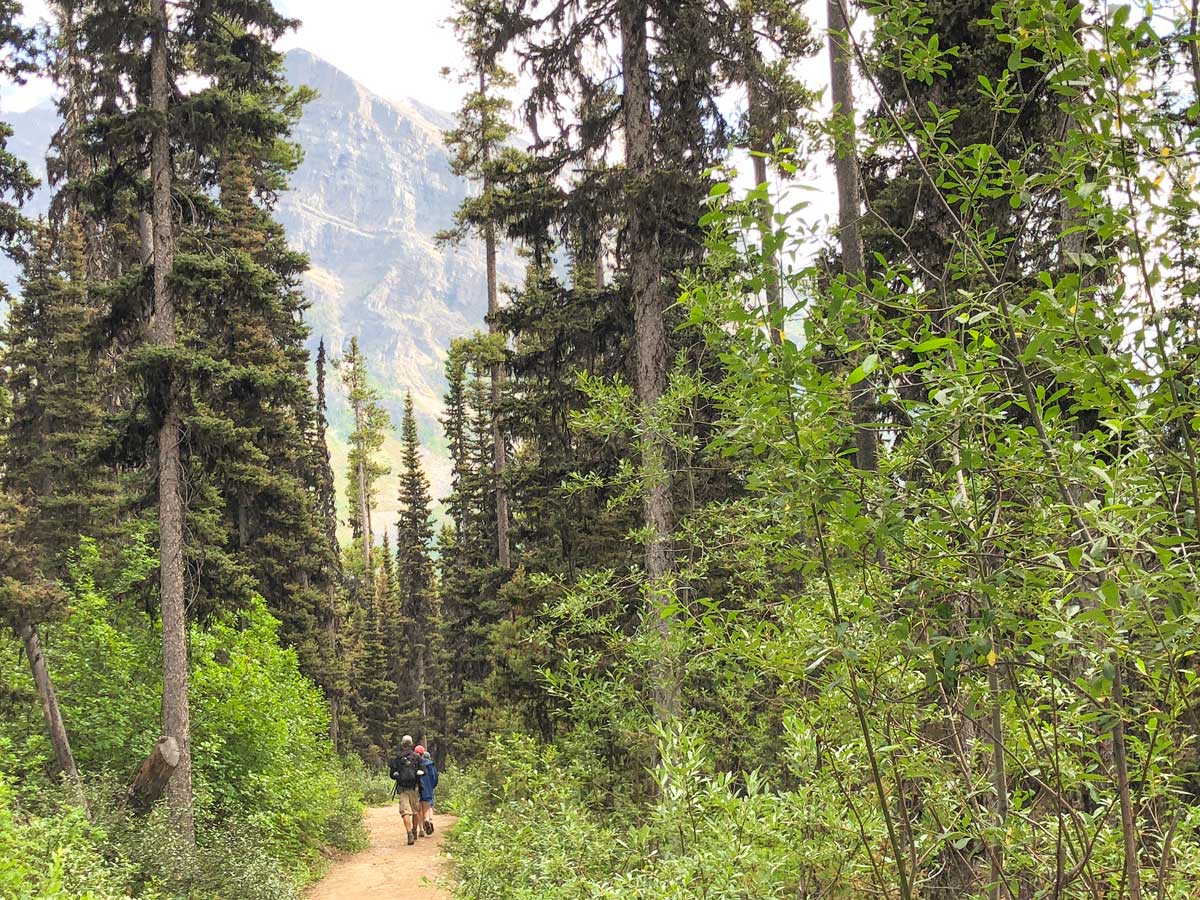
x: 372, y: 786
x: 544, y: 833
x: 270, y: 791
x: 56, y: 856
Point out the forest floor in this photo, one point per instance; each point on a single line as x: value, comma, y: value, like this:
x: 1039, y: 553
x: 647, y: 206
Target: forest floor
x: 389, y: 867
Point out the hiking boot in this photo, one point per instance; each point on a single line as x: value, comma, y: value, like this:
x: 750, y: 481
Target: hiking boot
x: 429, y: 828
x: 412, y: 838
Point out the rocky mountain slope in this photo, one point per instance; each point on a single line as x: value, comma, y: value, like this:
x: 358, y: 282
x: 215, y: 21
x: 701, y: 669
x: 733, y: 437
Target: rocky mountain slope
x: 374, y: 189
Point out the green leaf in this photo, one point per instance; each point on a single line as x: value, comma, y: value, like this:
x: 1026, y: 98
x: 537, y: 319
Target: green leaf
x: 937, y: 343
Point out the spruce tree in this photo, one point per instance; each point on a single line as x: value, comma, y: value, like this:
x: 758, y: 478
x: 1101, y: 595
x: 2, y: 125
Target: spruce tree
x: 371, y: 423
x: 46, y: 482
x: 17, y: 183
x: 336, y: 677
x: 415, y: 587
x: 472, y: 603
x: 56, y: 427
x: 376, y: 690
x: 479, y: 139
x: 129, y: 109
x: 36, y: 436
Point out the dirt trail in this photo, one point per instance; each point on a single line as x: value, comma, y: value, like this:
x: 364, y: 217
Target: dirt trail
x: 389, y: 867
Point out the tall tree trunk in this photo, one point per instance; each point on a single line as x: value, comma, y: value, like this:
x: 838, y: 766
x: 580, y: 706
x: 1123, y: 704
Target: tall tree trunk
x: 421, y: 698
x: 760, y: 142
x: 55, y: 727
x: 170, y: 499
x: 331, y: 635
x: 1129, y: 835
x: 645, y: 281
x: 999, y: 785
x: 862, y: 397
x: 364, y: 507
x: 770, y: 257
x: 499, y: 448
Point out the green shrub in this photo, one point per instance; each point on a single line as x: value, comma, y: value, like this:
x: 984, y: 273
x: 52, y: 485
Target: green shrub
x: 270, y: 791
x: 372, y: 786
x: 57, y: 856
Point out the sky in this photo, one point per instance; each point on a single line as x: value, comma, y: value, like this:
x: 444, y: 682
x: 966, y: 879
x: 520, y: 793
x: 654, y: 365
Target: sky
x: 396, y: 48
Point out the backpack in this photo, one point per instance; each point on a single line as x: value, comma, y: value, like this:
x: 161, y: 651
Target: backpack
x: 405, y: 771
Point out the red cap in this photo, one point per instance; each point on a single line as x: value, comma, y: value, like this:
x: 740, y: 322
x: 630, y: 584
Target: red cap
x: 419, y: 750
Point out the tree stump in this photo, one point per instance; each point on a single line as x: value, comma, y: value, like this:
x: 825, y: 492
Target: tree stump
x: 153, y: 774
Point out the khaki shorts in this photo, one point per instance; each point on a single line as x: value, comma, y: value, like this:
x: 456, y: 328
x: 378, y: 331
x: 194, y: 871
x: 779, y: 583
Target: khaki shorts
x: 410, y: 803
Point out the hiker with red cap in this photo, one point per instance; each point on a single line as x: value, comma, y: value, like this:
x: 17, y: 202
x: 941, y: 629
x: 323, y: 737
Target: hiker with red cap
x: 428, y: 782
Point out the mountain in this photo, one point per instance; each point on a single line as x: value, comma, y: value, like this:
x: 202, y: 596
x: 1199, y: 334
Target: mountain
x: 373, y: 190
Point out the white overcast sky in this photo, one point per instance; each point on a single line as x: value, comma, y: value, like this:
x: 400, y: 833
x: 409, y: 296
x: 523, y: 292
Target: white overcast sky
x: 396, y: 48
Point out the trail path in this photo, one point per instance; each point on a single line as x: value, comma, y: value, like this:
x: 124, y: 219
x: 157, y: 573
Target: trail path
x: 389, y: 867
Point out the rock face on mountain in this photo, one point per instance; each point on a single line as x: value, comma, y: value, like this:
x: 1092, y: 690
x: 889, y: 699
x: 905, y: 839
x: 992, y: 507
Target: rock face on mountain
x: 374, y: 189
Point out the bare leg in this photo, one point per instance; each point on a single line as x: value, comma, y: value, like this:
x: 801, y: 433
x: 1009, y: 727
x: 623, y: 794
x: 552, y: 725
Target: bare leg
x: 410, y: 825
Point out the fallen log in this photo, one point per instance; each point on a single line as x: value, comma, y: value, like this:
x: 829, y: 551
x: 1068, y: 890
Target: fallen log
x: 153, y: 774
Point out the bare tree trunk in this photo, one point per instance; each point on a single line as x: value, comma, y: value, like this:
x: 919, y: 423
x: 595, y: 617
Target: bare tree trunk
x: 999, y: 784
x: 499, y: 448
x: 650, y: 337
x: 331, y: 635
x: 170, y: 499
x: 56, y: 729
x: 421, y: 699
x: 145, y: 237
x: 1129, y: 839
x: 770, y: 258
x: 759, y: 144
x: 364, y: 506
x: 862, y: 397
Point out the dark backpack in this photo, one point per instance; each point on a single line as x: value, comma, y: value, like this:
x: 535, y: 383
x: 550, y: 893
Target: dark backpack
x: 405, y: 771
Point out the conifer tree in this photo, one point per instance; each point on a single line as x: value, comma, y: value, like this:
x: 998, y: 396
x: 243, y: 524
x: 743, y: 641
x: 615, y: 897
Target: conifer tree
x: 650, y: 338
x: 56, y: 425
x: 414, y: 571
x: 17, y: 183
x: 849, y: 212
x: 472, y: 602
x: 376, y: 690
x: 135, y: 118
x: 336, y: 680
x: 36, y: 436
x: 476, y: 143
x: 47, y: 441
x: 371, y: 423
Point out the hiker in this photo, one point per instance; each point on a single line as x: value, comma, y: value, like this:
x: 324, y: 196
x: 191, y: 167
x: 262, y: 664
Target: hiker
x: 428, y: 782
x: 406, y: 769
